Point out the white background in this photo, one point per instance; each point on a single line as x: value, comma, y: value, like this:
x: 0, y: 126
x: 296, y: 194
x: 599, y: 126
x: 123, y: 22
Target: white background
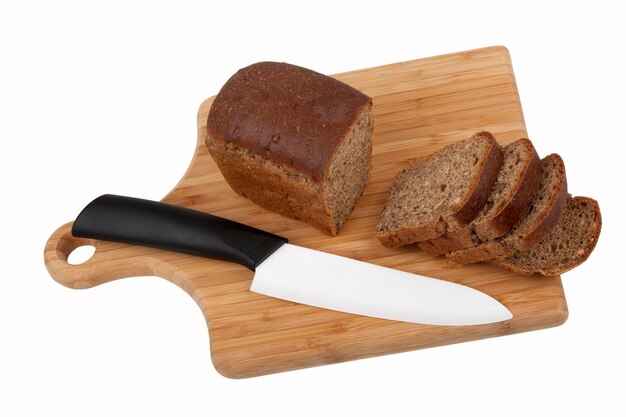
x: 102, y: 98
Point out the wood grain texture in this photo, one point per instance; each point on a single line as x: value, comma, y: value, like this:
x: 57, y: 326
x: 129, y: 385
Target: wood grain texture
x: 420, y: 106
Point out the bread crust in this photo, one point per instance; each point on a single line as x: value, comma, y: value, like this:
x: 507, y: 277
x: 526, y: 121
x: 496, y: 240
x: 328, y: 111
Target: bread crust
x: 452, y: 240
x: 274, y: 129
x: 482, y: 252
x: 272, y: 186
x: 289, y: 114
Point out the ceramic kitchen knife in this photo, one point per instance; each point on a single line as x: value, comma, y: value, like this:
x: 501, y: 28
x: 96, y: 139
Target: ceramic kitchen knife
x: 286, y: 271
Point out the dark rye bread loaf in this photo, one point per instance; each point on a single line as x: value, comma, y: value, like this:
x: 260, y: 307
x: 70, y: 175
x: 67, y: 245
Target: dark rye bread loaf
x: 293, y: 141
x: 445, y: 190
x: 568, y: 245
x: 515, y: 187
x: 540, y: 218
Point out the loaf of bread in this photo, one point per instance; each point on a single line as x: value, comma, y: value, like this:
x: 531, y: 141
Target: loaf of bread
x: 445, y: 190
x: 515, y: 187
x: 568, y: 244
x: 293, y: 141
x: 541, y: 216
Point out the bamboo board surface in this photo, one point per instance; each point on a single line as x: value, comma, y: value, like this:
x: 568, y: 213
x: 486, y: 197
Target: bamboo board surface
x: 419, y: 106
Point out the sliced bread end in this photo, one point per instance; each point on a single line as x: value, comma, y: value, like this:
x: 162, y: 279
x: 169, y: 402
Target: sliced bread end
x: 568, y: 245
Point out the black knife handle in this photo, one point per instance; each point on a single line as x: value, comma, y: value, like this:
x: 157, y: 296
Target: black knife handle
x: 170, y: 227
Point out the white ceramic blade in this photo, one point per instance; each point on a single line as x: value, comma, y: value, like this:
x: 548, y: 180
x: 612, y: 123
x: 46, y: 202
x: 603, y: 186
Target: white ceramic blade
x: 333, y: 282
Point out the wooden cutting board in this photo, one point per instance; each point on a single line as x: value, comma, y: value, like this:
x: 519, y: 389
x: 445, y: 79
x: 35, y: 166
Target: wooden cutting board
x: 420, y: 106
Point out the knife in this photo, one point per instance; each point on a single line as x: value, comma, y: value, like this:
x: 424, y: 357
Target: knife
x: 287, y: 271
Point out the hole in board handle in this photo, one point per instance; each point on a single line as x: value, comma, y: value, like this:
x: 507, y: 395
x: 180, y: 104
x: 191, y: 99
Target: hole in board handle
x: 81, y: 254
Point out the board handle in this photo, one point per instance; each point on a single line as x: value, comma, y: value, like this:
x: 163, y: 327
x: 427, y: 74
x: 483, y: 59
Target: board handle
x: 110, y: 261
x: 103, y: 266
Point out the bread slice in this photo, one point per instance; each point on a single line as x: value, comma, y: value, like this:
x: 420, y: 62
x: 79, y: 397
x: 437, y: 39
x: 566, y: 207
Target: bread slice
x: 445, y: 190
x: 515, y: 187
x: 568, y: 245
x: 540, y: 218
x: 293, y: 141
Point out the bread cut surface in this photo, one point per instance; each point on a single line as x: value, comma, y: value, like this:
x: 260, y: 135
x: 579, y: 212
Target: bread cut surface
x: 568, y: 245
x: 445, y: 190
x: 293, y: 141
x: 540, y: 217
x: 515, y: 186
